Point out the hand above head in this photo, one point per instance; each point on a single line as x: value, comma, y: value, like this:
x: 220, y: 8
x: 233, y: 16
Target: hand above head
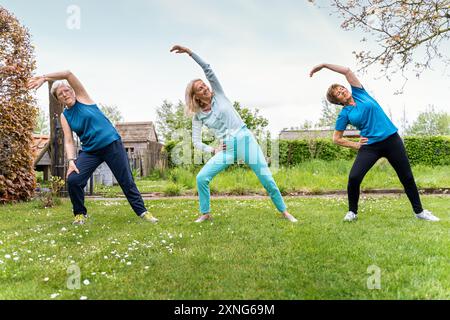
x: 180, y: 49
x: 316, y: 69
x: 35, y: 82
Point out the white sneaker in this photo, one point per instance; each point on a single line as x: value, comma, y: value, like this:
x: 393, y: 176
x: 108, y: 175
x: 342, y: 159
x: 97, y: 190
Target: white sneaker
x: 290, y: 217
x: 350, y: 216
x: 427, y: 215
x: 203, y: 218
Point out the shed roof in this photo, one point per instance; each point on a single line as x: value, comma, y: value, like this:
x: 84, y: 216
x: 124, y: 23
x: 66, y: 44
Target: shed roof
x: 39, y: 142
x: 137, y: 131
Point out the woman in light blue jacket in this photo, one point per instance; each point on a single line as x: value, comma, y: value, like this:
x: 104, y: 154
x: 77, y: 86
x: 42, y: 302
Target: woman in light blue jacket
x: 211, y: 108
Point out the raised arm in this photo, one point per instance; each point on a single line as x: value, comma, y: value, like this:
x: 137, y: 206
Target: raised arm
x: 347, y: 72
x: 77, y: 86
x: 209, y: 73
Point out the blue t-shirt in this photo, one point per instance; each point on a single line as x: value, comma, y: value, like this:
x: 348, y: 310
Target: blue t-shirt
x: 92, y: 127
x: 367, y: 116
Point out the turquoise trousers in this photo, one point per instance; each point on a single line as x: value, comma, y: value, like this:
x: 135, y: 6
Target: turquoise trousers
x: 242, y: 146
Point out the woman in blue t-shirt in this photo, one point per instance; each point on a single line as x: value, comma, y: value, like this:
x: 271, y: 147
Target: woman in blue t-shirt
x: 100, y: 142
x: 379, y: 138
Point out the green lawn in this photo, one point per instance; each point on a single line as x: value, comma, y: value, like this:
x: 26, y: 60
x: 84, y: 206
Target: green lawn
x: 313, y: 176
x: 246, y: 253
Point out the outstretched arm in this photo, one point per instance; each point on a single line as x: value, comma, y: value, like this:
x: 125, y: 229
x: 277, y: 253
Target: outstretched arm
x: 210, y: 75
x: 77, y: 86
x: 347, y: 72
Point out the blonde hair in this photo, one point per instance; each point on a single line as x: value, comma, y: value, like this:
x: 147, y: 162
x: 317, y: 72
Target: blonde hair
x: 58, y: 84
x: 192, y: 105
x: 331, y: 96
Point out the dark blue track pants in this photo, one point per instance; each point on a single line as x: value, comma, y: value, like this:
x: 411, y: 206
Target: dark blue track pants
x: 116, y: 158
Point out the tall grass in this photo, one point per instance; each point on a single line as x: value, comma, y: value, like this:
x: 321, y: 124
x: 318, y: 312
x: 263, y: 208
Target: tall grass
x: 320, y: 176
x: 315, y: 176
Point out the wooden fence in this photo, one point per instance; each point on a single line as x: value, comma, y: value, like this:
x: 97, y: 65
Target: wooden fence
x: 146, y: 161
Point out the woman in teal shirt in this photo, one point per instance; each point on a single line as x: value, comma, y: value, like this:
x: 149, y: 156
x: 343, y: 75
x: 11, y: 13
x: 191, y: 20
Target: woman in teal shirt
x: 211, y: 108
x: 379, y: 139
x: 100, y: 142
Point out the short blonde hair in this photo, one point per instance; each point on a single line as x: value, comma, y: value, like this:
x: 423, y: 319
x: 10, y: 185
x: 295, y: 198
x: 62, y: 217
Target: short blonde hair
x: 331, y: 96
x: 58, y: 84
x: 192, y: 105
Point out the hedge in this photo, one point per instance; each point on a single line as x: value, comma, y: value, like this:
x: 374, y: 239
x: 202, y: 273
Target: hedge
x: 293, y: 152
x: 17, y: 111
x: 433, y: 151
x: 430, y: 151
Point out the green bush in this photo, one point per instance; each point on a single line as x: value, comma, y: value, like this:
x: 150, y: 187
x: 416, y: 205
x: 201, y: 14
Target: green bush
x: 52, y: 198
x: 173, y: 190
x: 293, y: 152
x: 432, y: 151
x: 183, y: 176
x: 156, y: 174
x: 168, y: 147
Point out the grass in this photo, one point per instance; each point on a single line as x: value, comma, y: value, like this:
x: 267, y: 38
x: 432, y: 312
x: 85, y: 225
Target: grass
x: 246, y: 253
x: 314, y: 176
x: 172, y: 190
x: 144, y: 186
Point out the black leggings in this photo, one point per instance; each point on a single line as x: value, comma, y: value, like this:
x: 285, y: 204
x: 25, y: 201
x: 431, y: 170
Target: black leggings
x: 393, y: 149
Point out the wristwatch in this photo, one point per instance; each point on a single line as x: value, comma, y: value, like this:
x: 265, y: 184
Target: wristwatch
x: 72, y: 159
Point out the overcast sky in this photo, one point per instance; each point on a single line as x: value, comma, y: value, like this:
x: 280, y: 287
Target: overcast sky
x: 261, y: 51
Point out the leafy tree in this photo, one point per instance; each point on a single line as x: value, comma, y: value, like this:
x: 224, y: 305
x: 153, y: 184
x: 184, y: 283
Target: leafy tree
x: 42, y: 122
x: 112, y: 113
x: 329, y: 115
x: 252, y: 119
x: 171, y: 119
x: 409, y: 33
x: 17, y: 111
x: 306, y: 125
x: 430, y: 123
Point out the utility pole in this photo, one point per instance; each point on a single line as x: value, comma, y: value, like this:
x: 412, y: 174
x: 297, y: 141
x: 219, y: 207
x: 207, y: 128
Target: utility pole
x: 56, y: 145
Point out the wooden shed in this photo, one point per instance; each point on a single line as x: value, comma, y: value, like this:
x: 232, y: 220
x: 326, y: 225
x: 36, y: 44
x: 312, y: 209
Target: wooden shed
x: 41, y: 155
x: 142, y: 145
x: 136, y: 136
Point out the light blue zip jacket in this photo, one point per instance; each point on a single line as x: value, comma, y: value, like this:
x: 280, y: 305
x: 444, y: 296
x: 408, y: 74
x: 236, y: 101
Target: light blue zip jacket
x: 223, y: 119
